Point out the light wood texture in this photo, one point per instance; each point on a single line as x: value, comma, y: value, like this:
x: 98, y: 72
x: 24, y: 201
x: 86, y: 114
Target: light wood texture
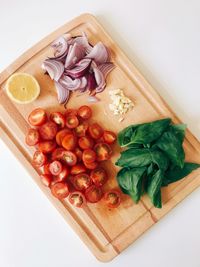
x: 106, y: 232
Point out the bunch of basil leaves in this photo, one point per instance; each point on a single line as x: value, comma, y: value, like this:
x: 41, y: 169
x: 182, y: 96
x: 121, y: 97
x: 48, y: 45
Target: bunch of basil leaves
x: 154, y: 158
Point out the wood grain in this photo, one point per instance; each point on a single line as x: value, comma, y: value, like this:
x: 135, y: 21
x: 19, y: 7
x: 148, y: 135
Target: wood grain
x: 106, y: 232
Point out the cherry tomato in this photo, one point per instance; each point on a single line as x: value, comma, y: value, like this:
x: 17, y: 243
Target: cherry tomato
x: 85, y: 142
x: 69, y: 158
x: 78, y: 168
x: 81, y: 129
x: 46, y: 169
x: 37, y: 117
x: 91, y: 166
x: 55, y: 167
x: 95, y: 131
x: 100, y: 140
x: 58, y: 118
x: 103, y: 151
x: 39, y: 159
x: 60, y: 135
x: 109, y: 137
x: 89, y: 156
x: 64, y: 173
x: 77, y: 199
x: 57, y: 153
x: 69, y: 141
x: 93, y: 194
x: 48, y: 130
x: 46, y: 179
x: 70, y: 111
x: 85, y: 112
x: 60, y: 190
x: 112, y: 198
x: 81, y: 181
x: 32, y: 137
x: 46, y: 146
x: 62, y: 176
x: 78, y: 153
x: 99, y: 176
x: 72, y: 121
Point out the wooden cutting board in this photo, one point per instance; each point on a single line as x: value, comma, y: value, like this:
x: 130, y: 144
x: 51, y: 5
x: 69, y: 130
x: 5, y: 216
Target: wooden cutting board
x: 106, y: 232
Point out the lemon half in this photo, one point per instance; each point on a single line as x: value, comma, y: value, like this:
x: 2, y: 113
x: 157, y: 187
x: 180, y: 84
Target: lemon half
x: 22, y: 88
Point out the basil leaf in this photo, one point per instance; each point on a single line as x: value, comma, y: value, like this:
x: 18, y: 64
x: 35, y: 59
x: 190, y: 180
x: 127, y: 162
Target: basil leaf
x: 176, y: 173
x: 143, y: 133
x: 154, y: 187
x: 159, y: 158
x: 172, y: 147
x: 179, y: 131
x: 134, y: 158
x: 124, y: 136
x: 130, y: 181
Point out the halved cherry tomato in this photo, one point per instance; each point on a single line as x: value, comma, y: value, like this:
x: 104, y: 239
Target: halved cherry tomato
x: 93, y: 194
x: 85, y: 142
x: 100, y: 140
x: 46, y: 179
x: 78, y: 153
x: 85, y: 112
x: 103, y: 151
x: 57, y: 153
x: 58, y: 118
x: 60, y: 190
x: 71, y: 111
x: 60, y: 135
x: 69, y: 141
x: 72, y: 121
x: 112, y: 198
x: 81, y: 181
x: 46, y: 146
x: 77, y: 199
x: 69, y: 158
x: 48, y: 130
x: 89, y: 156
x: 37, y: 117
x: 55, y: 167
x: 62, y: 176
x: 81, y: 129
x: 99, y: 176
x: 64, y: 173
x: 32, y: 137
x: 95, y: 131
x: 109, y: 137
x: 39, y: 159
x: 46, y: 169
x: 91, y: 165
x: 78, y: 168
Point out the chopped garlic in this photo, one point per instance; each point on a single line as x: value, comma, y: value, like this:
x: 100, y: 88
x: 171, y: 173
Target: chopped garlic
x: 121, y: 104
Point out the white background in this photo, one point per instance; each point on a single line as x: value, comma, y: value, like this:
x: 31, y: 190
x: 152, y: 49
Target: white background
x: 163, y: 39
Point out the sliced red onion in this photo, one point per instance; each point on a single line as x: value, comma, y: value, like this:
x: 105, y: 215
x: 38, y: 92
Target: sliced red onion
x: 93, y: 99
x: 79, y: 69
x: 54, y: 68
x: 60, y: 46
x: 62, y: 93
x: 83, y: 86
x: 99, y: 53
x: 75, y: 53
x: 106, y: 68
x: 83, y: 41
x: 91, y: 82
x: 83, y: 83
x: 70, y: 84
x: 100, y: 80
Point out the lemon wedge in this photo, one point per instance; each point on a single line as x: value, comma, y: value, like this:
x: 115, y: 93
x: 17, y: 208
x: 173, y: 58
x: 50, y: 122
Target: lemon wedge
x: 22, y: 88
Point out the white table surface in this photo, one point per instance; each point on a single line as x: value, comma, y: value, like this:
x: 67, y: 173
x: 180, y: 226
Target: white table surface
x: 162, y: 38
